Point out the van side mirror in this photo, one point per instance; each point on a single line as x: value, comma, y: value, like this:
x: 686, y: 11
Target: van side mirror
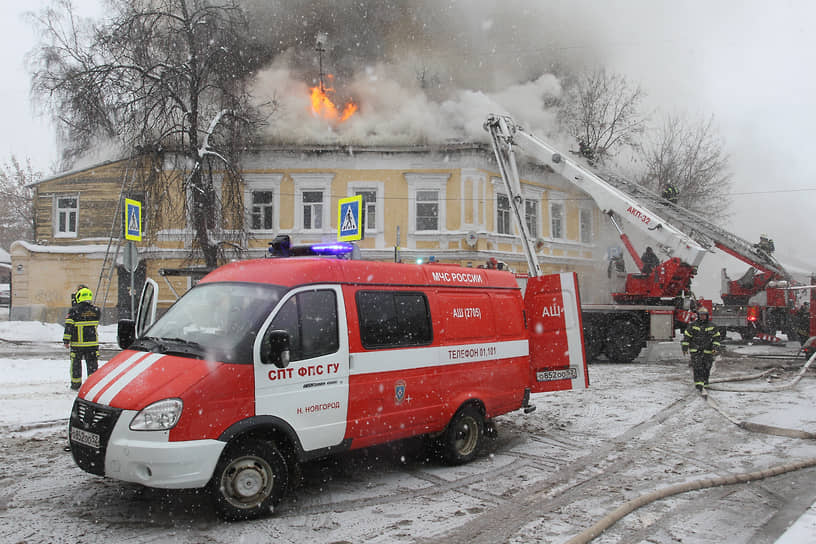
x: 126, y: 333
x: 275, y: 348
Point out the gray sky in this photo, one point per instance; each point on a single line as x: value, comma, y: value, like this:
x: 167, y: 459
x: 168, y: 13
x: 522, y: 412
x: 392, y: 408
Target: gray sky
x: 750, y: 63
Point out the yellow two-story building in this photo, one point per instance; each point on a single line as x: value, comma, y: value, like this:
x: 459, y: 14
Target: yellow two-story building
x: 445, y: 203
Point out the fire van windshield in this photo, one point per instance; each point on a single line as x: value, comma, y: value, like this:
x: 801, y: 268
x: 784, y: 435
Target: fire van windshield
x: 213, y: 321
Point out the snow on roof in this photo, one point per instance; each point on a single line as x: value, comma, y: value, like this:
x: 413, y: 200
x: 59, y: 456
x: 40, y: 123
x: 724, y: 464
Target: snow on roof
x: 4, y: 256
x: 83, y: 248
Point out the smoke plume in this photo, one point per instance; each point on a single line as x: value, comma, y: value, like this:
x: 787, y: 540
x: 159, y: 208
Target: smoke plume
x: 420, y: 72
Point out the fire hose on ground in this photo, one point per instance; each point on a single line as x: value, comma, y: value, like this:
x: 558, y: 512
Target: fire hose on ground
x: 630, y: 506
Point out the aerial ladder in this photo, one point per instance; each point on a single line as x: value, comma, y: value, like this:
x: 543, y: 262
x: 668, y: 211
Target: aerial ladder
x: 646, y: 308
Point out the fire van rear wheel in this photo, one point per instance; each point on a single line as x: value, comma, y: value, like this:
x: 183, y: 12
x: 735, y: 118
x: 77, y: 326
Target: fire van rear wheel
x: 250, y: 479
x: 463, y: 437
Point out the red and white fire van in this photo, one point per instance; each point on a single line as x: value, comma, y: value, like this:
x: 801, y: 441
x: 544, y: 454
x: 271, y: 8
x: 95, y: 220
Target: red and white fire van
x: 270, y: 362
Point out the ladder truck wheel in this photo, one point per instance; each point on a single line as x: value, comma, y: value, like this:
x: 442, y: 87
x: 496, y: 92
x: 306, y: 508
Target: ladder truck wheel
x: 463, y: 437
x: 249, y: 480
x: 624, y: 341
x: 593, y: 340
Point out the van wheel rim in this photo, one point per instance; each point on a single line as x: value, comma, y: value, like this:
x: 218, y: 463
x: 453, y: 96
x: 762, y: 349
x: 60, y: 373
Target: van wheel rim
x: 247, y: 482
x: 466, y: 436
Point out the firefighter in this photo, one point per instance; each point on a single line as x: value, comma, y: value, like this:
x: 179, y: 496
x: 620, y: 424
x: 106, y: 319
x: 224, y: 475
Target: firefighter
x: 586, y: 151
x: 801, y: 320
x: 765, y: 244
x: 671, y: 193
x: 702, y: 339
x: 650, y: 261
x: 81, y: 337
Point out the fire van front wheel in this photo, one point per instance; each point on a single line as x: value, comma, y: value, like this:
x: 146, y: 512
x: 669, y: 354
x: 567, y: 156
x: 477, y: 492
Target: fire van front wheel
x: 463, y: 437
x: 250, y: 479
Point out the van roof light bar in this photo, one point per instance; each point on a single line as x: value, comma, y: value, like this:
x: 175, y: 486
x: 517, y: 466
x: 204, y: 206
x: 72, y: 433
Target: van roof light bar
x: 282, y: 246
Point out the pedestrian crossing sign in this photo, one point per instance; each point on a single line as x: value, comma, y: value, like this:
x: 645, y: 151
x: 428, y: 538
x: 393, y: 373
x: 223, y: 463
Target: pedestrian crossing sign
x: 350, y: 219
x: 133, y: 220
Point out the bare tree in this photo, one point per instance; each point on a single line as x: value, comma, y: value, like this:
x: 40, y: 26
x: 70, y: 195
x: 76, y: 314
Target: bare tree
x: 16, y: 206
x: 601, y: 111
x: 168, y: 78
x: 690, y: 156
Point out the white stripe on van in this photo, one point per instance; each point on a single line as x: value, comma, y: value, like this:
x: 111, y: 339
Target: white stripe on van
x: 113, y: 374
x: 387, y: 360
x: 128, y: 377
x: 569, y: 296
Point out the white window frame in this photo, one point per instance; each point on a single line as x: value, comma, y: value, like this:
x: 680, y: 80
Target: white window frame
x: 58, y: 211
x: 262, y: 182
x: 427, y: 182
x: 305, y: 183
x: 378, y: 189
x: 558, y: 203
x: 588, y: 232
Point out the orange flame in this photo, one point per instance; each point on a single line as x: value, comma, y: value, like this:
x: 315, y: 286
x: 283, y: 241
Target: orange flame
x: 322, y: 105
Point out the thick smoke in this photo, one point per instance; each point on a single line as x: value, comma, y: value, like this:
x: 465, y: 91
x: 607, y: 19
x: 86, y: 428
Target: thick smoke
x: 421, y: 72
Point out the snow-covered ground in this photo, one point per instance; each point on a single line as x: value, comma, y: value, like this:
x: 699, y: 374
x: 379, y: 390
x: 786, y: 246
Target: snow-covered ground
x: 34, y: 380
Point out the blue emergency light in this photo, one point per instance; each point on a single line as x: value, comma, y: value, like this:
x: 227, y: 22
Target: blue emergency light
x: 282, y: 246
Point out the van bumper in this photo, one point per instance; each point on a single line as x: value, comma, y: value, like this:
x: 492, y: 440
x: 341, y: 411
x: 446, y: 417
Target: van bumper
x: 147, y: 458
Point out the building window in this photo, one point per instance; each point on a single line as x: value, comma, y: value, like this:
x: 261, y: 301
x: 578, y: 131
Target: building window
x: 262, y: 206
x: 262, y: 201
x: 531, y: 216
x: 66, y: 216
x: 426, y: 213
x: 503, y: 214
x: 427, y: 210
x: 370, y: 204
x: 556, y: 220
x: 586, y: 225
x: 312, y: 210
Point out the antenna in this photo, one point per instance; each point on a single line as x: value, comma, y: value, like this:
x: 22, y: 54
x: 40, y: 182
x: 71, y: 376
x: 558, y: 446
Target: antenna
x: 320, y: 47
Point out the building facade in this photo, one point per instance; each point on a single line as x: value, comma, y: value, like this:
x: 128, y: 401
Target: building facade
x: 444, y: 203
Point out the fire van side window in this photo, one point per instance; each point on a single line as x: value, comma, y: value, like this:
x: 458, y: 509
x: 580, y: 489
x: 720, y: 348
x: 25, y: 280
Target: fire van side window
x: 310, y: 318
x: 393, y: 319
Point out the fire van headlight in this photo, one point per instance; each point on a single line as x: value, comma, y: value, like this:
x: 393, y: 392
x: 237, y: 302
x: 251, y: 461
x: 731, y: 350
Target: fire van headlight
x: 162, y: 415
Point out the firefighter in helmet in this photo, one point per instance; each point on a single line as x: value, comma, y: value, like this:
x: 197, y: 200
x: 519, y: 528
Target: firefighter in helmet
x: 650, y: 261
x: 765, y: 244
x: 702, y: 340
x: 671, y: 193
x: 80, y: 335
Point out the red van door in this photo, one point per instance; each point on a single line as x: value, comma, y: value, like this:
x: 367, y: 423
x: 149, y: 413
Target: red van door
x: 557, y: 357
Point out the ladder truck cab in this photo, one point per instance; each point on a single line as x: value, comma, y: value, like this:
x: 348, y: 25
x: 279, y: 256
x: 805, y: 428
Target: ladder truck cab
x: 645, y: 309
x: 270, y: 362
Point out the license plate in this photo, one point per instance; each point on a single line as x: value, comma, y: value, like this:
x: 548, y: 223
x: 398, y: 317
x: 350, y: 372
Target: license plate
x: 85, y: 438
x: 552, y: 375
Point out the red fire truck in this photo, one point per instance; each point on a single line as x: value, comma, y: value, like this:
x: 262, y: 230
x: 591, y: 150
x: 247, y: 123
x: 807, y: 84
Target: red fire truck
x: 267, y: 363
x: 651, y: 305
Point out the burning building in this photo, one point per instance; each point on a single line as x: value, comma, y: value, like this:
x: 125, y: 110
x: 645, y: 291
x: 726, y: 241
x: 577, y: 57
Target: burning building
x: 408, y: 140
